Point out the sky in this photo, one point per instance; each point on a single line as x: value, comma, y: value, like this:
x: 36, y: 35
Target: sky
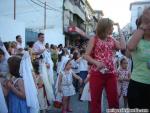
x: 117, y: 10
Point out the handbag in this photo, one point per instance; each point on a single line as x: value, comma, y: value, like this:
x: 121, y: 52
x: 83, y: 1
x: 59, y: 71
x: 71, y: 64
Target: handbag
x: 58, y: 100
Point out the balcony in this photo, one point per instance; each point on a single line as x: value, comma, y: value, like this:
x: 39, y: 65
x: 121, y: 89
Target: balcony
x: 79, y: 4
x: 76, y: 7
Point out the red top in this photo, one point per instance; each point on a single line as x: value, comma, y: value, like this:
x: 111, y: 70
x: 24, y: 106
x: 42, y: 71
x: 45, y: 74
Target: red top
x: 104, y: 51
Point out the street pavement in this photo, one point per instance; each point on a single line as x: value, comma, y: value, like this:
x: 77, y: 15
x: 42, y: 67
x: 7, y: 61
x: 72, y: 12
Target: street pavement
x: 77, y: 106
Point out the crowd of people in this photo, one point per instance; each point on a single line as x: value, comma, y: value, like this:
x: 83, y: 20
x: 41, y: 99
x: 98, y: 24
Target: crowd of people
x: 97, y: 73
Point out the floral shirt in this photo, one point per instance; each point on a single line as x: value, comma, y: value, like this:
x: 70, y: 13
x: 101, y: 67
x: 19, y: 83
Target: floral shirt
x: 104, y: 51
x: 123, y: 73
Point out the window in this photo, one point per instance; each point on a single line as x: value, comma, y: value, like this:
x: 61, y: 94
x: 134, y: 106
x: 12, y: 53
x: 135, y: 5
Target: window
x: 139, y: 11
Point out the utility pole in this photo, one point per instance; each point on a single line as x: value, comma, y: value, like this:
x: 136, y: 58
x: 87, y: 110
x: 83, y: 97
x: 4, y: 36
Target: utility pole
x: 45, y: 15
x: 63, y: 10
x: 14, y: 9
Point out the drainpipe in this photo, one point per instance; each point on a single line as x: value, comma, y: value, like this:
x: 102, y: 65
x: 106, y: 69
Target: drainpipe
x: 14, y: 9
x: 45, y: 15
x: 63, y: 8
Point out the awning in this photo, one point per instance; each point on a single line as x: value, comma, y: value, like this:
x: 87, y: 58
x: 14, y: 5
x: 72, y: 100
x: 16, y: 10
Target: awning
x: 74, y: 29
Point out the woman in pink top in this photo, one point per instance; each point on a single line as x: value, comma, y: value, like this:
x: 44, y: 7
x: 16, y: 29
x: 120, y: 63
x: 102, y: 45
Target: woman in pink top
x: 100, y: 53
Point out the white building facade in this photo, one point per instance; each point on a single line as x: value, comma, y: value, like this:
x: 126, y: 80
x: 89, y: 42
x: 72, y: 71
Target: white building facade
x: 136, y: 10
x: 33, y: 16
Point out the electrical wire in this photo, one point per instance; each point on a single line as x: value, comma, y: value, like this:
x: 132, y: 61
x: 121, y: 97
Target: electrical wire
x: 44, y: 6
x: 31, y: 4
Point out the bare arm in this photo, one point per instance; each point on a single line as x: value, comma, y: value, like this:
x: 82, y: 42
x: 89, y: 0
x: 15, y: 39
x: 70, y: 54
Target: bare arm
x: 121, y: 44
x: 120, y: 78
x: 139, y: 33
x: 5, y: 91
x: 77, y: 77
x: 40, y: 83
x: 37, y: 50
x: 88, y: 53
x: 59, y: 82
x: 4, y: 87
x: 87, y: 78
x: 20, y: 91
x: 129, y: 77
x: 133, y: 42
x: 128, y: 54
x: 39, y: 53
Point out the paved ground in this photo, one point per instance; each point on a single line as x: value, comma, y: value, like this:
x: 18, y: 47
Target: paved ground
x: 77, y: 106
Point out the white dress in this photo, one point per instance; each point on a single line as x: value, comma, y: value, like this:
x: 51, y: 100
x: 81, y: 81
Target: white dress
x: 3, y: 106
x: 29, y: 84
x: 47, y: 84
x: 60, y: 68
x: 41, y: 96
x: 86, y: 95
x: 66, y: 84
x: 48, y: 60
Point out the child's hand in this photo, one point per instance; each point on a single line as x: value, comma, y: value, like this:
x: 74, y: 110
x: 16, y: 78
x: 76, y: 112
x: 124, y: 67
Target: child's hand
x: 9, y: 84
x: 80, y: 81
x: 83, y: 56
x: 48, y: 66
x: 5, y: 83
x: 42, y: 50
x: 78, y: 60
x: 40, y: 86
x: 100, y: 65
x: 126, y: 78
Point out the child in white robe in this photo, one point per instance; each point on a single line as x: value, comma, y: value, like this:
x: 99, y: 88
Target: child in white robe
x: 3, y: 93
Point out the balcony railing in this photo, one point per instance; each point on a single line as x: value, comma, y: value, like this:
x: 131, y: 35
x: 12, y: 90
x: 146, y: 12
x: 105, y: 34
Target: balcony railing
x: 78, y: 4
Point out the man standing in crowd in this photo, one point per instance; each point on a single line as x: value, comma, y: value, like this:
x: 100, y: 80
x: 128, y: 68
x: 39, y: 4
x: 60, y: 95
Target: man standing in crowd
x: 39, y: 47
x: 19, y: 44
x: 40, y: 50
